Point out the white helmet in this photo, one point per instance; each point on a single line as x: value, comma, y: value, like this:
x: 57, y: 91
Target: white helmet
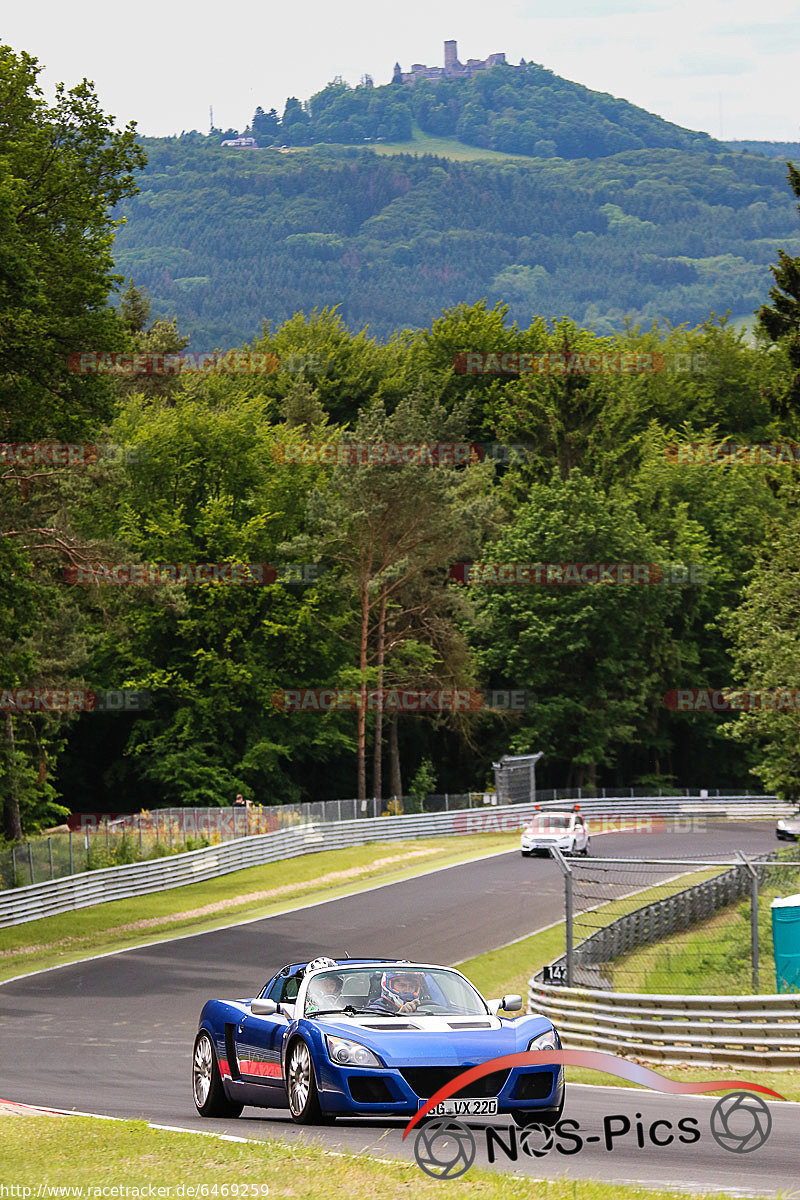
x: 318, y: 964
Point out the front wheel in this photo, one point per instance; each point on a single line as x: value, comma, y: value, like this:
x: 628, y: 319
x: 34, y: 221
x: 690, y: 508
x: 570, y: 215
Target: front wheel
x: 301, y: 1087
x: 209, y: 1095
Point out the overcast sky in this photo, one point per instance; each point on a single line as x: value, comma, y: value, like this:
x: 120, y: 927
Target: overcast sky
x: 727, y: 67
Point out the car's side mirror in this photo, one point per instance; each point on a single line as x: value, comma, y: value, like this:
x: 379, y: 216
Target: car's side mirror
x: 510, y: 1003
x: 263, y: 1007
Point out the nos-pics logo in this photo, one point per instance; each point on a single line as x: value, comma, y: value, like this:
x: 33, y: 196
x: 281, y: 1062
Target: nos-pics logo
x: 445, y: 1148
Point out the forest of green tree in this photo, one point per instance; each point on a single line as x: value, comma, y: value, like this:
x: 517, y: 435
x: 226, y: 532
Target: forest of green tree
x: 201, y: 473
x: 226, y: 239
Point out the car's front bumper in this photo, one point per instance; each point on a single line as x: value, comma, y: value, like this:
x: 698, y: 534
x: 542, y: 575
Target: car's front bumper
x: 532, y: 845
x: 390, y: 1090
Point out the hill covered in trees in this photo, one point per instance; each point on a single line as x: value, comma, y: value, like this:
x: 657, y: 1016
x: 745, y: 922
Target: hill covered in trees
x: 226, y: 239
x: 519, y: 110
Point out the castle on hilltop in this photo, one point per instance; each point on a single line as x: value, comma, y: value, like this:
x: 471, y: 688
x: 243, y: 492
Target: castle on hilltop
x: 452, y: 69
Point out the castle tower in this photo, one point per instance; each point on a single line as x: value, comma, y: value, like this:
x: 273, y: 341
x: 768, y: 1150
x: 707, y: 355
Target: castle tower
x: 450, y: 56
x: 398, y: 74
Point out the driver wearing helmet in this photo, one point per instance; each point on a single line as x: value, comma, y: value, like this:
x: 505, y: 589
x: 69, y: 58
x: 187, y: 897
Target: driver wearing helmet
x: 401, y: 992
x: 325, y: 991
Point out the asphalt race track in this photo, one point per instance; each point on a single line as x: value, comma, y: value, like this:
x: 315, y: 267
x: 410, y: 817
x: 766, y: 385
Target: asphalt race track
x: 114, y: 1035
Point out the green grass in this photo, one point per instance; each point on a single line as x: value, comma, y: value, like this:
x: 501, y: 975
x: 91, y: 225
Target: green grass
x: 426, y: 143
x: 82, y: 1152
x: 241, y: 895
x: 714, y: 957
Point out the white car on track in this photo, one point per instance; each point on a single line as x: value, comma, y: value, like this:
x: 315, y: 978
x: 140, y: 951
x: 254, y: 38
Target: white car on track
x: 555, y: 827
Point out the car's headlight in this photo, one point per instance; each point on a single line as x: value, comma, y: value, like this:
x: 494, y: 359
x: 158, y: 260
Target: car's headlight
x: 349, y: 1054
x: 781, y: 824
x: 545, y: 1041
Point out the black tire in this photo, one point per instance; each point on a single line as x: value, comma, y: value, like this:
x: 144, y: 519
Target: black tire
x: 301, y: 1087
x: 209, y: 1095
x: 525, y: 853
x: 586, y: 850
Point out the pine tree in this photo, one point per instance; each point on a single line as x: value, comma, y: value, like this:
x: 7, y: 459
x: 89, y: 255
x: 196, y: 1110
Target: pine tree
x: 781, y: 321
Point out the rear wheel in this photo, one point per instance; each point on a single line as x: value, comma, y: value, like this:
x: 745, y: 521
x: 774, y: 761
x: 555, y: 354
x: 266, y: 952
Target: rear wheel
x: 209, y: 1095
x: 301, y: 1087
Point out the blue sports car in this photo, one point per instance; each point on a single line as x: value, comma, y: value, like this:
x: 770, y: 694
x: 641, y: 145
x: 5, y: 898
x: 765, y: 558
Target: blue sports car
x: 370, y: 1037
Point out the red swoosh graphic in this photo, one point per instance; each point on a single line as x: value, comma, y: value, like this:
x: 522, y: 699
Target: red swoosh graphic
x: 595, y: 1060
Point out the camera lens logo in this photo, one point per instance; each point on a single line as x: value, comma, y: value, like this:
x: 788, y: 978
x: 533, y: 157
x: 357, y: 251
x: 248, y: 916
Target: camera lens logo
x: 444, y: 1149
x: 536, y: 1140
x: 741, y: 1122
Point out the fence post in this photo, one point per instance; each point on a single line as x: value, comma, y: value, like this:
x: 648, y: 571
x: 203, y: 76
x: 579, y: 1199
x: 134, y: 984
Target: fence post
x: 50, y: 852
x: 446, y: 802
x: 754, y: 947
x: 14, y: 865
x: 140, y: 834
x: 30, y: 861
x: 108, y: 838
x: 71, y: 868
x: 567, y: 872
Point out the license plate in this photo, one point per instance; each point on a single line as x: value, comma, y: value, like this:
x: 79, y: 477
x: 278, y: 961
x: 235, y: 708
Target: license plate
x: 464, y: 1108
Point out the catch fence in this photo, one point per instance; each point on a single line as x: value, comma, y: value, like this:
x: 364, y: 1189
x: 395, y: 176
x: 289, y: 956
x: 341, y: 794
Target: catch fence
x: 671, y: 926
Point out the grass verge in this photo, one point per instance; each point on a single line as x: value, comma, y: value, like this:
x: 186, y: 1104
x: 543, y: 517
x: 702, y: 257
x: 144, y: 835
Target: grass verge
x: 240, y: 895
x: 710, y: 959
x: 82, y: 1152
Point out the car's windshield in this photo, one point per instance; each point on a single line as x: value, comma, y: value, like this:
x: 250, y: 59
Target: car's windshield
x: 550, y: 823
x: 392, y: 991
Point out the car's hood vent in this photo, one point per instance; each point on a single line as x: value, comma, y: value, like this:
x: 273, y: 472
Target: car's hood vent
x: 470, y: 1024
x: 395, y: 1025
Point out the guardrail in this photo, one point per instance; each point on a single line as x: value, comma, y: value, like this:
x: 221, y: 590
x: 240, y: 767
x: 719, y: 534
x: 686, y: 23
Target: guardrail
x: 729, y: 1031
x: 115, y: 883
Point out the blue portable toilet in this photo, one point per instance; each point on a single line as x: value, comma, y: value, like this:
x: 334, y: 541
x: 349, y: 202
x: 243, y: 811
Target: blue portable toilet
x: 786, y: 942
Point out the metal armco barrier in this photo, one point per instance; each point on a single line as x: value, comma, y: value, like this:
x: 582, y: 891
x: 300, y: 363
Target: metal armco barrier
x: 116, y: 883
x: 744, y: 1031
